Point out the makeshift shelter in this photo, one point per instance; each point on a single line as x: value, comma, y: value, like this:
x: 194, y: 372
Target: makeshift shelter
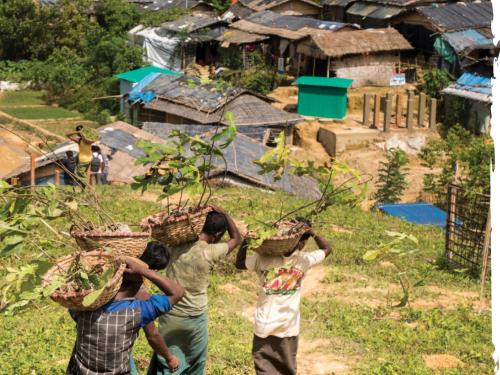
x: 281, y: 31
x: 244, y: 8
x: 129, y: 79
x: 469, y: 101
x: 450, y: 36
x: 368, y: 57
x: 323, y: 97
x: 241, y: 169
x: 377, y: 13
x: 185, y: 100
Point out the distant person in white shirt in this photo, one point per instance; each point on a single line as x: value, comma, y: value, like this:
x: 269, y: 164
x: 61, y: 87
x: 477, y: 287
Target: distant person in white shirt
x: 277, y: 316
x: 96, y: 165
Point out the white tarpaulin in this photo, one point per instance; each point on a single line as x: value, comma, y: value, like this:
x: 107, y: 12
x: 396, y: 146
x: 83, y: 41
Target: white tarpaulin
x: 160, y: 50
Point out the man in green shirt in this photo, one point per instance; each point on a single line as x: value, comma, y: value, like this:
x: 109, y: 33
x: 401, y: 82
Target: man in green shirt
x: 185, y: 327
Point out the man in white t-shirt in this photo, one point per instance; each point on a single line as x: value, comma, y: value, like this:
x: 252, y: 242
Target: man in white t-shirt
x: 277, y: 316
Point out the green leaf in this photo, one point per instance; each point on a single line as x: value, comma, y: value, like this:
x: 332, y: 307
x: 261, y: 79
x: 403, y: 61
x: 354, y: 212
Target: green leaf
x: 90, y: 298
x: 13, y: 240
x: 371, y: 255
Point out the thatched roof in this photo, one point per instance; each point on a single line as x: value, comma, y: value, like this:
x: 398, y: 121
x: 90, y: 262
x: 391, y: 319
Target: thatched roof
x: 233, y: 36
x: 320, y: 44
x: 188, y: 98
x: 283, y: 26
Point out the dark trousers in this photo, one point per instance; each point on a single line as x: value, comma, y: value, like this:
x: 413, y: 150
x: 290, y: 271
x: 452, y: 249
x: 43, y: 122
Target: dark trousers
x: 275, y: 355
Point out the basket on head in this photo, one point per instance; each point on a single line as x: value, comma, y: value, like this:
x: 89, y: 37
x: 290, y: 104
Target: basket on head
x: 176, y: 229
x: 74, y: 299
x: 123, y: 243
x: 280, y: 244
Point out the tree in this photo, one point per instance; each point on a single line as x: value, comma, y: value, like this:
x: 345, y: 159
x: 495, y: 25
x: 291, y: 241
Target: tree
x: 117, y: 16
x: 435, y: 80
x: 392, y: 176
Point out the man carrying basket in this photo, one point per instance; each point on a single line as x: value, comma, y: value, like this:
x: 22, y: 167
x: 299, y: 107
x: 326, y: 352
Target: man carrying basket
x: 185, y: 327
x: 277, y: 316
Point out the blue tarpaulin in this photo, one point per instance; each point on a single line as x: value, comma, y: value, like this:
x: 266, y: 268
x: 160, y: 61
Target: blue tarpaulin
x: 416, y: 213
x: 143, y: 96
x: 476, y: 83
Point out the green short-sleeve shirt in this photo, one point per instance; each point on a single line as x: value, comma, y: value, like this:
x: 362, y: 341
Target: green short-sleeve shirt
x: 190, y: 267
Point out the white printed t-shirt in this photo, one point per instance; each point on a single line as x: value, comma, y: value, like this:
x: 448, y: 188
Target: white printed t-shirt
x: 278, y: 305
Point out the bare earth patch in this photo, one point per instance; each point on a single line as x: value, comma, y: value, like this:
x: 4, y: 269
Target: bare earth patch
x: 442, y: 361
x: 313, y: 359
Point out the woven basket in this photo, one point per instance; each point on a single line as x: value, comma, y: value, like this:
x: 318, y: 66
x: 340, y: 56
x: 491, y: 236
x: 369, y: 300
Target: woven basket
x: 123, y: 243
x: 176, y: 230
x: 74, y: 300
x: 279, y: 245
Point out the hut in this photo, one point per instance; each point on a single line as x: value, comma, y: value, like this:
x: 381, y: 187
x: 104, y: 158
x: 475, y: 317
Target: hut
x: 239, y: 156
x: 195, y: 7
x: 129, y: 79
x: 185, y: 100
x: 449, y: 36
x: 323, y: 97
x: 282, y: 31
x: 468, y: 102
x: 368, y: 57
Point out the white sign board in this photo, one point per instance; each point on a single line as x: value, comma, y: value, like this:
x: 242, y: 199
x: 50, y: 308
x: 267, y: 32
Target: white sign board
x: 397, y: 79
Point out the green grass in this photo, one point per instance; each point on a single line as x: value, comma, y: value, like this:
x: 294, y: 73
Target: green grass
x: 40, y: 113
x: 61, y: 127
x: 25, y: 97
x: 377, y: 339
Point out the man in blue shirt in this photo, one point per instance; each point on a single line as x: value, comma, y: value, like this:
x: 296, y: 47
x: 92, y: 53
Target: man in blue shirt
x: 105, y: 336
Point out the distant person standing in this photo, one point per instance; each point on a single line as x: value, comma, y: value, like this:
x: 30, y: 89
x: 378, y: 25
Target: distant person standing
x: 69, y: 164
x: 105, y: 170
x: 84, y: 150
x: 96, y: 165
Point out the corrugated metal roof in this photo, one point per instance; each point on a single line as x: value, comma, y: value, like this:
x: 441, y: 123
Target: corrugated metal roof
x: 168, y: 4
x: 468, y: 40
x: 362, y: 9
x: 293, y: 23
x: 365, y: 9
x: 138, y: 74
x: 240, y: 156
x: 323, y: 81
x: 459, y: 16
x: 340, y: 3
x: 472, y: 86
x: 191, y: 23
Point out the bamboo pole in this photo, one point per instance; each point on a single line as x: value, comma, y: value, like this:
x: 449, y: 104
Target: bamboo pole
x: 366, y: 110
x: 376, y: 111
x: 58, y: 177
x: 486, y: 255
x: 399, y: 109
x: 32, y: 170
x: 314, y: 66
x: 298, y: 65
x: 328, y: 67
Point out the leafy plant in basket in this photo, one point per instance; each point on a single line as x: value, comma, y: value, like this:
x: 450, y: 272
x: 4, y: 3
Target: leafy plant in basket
x: 182, y: 166
x: 33, y: 220
x: 339, y: 184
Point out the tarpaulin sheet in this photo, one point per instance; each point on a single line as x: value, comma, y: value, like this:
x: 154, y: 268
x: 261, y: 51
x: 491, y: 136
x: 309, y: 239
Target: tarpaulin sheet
x: 161, y: 50
x: 137, y: 92
x: 444, y: 50
x: 416, y: 213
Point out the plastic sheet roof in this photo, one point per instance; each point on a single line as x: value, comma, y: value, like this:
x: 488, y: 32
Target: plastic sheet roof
x: 139, y: 74
x: 459, y: 16
x: 168, y: 4
x: 191, y: 23
x: 472, y: 86
x: 292, y: 23
x: 470, y: 39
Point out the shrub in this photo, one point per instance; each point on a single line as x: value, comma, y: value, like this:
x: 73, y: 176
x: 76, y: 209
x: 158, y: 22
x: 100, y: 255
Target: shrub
x: 434, y: 81
x: 392, y: 177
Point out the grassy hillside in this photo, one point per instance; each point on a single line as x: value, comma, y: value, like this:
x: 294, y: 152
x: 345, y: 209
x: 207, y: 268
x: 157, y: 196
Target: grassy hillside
x: 348, y: 325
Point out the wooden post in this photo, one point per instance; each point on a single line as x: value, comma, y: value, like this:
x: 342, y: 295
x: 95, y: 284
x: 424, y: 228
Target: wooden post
x: 58, y: 177
x: 486, y: 256
x: 366, y: 109
x: 33, y: 167
x: 376, y: 111
x: 298, y: 65
x: 387, y: 113
x: 399, y: 109
x: 14, y: 181
x: 421, y: 109
x: 328, y: 67
x: 432, y: 114
x: 89, y: 179
x: 314, y: 67
x: 410, y: 108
